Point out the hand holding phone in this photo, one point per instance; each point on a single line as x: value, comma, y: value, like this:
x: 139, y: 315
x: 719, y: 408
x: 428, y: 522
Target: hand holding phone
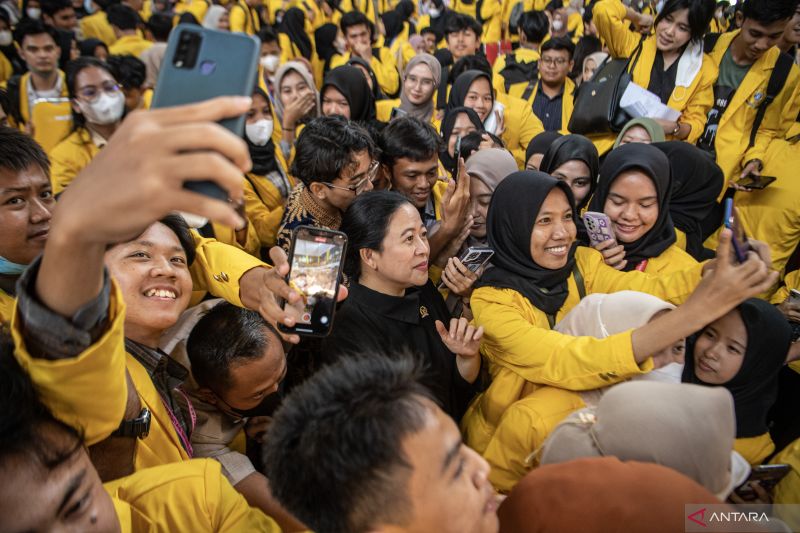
x: 316, y: 258
x: 767, y: 476
x: 456, y: 158
x: 599, y: 228
x: 755, y: 181
x: 739, y: 238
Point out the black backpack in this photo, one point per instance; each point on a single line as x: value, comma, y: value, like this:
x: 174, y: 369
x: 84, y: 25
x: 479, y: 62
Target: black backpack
x: 515, y: 72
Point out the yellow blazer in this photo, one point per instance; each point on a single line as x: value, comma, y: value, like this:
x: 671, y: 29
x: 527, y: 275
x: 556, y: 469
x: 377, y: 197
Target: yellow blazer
x: 383, y: 65
x: 24, y: 107
x: 522, y: 55
x: 69, y: 157
x: 673, y: 259
x: 6, y: 69
x: 733, y: 132
x: 567, y: 103
x: 788, y: 490
x: 243, y: 19
x: 129, y: 44
x: 755, y: 449
x: 521, y: 126
x: 513, y: 326
x: 6, y: 308
x: 694, y: 102
x: 97, y: 26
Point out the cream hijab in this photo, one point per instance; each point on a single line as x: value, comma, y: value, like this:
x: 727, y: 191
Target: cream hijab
x: 302, y: 69
x: 424, y: 111
x: 689, y: 428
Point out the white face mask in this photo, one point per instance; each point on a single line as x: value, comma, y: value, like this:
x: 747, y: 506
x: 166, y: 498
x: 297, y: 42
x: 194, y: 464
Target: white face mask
x: 558, y: 25
x: 270, y: 62
x: 259, y: 132
x: 33, y: 13
x: 88, y: 6
x: 434, y: 13
x: 6, y: 38
x: 107, y: 109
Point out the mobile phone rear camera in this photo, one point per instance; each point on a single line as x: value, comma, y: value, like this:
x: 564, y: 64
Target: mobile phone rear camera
x: 187, y: 50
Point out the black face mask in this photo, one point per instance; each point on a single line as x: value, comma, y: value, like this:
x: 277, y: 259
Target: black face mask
x: 267, y: 406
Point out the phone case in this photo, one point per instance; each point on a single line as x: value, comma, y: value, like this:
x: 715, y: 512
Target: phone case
x: 731, y: 222
x: 476, y: 256
x: 226, y: 65
x: 303, y: 329
x: 598, y: 226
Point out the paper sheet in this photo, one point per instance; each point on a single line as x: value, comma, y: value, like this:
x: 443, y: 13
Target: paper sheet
x: 639, y: 102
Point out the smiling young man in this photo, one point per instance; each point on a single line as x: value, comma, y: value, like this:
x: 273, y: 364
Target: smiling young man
x: 463, y: 35
x: 747, y: 59
x: 410, y: 162
x: 385, y: 457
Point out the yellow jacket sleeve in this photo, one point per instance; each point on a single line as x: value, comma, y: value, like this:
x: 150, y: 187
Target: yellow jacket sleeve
x: 529, y: 127
x: 755, y: 449
x: 775, y: 122
x: 69, y: 157
x: 516, y: 337
x: 72, y: 387
x: 264, y: 214
x: 218, y: 267
x: 238, y: 19
x: 6, y: 308
x: 609, y: 17
x: 385, y: 68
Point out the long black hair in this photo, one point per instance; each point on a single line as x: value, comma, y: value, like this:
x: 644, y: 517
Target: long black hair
x: 366, y: 222
x: 72, y: 70
x: 700, y: 14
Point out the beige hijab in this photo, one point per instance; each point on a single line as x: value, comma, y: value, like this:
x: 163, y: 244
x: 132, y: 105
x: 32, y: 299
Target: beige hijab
x: 602, y: 315
x: 424, y: 111
x: 302, y: 69
x: 689, y: 428
x: 491, y: 166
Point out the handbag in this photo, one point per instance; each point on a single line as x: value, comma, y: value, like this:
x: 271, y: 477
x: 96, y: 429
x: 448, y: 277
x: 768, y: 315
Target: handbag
x: 596, y: 109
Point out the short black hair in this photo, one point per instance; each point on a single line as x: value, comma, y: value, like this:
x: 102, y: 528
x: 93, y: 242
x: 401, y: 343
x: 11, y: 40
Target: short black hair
x: 74, y: 68
x: 559, y: 43
x: 267, y: 35
x: 326, y: 146
x: 227, y: 336
x: 123, y: 17
x: 457, y: 22
x: 19, y: 151
x: 535, y: 25
x: 334, y: 451
x: 128, y: 70
x: 356, y: 18
x: 51, y: 7
x: 160, y: 25
x: 365, y: 223
x: 181, y: 230
x: 27, y: 427
x: 428, y: 29
x: 471, y: 62
x: 471, y: 142
x: 700, y: 14
x: 31, y: 27
x: 410, y: 138
x: 768, y: 11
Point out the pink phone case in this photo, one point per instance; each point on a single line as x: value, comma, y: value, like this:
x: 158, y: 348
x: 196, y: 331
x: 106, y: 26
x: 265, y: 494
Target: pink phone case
x: 598, y: 226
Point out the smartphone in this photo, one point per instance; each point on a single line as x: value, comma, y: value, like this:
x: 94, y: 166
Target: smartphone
x: 200, y: 64
x: 598, y: 226
x: 794, y: 299
x: 396, y: 113
x: 474, y: 258
x: 315, y: 259
x: 767, y: 476
x: 754, y: 181
x: 739, y: 240
x: 456, y: 157
x: 794, y: 296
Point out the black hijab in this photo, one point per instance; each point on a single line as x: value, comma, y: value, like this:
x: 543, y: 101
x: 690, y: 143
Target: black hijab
x: 294, y: 26
x: 263, y: 157
x: 655, y: 164
x: 696, y: 183
x: 376, y: 89
x: 541, y: 143
x: 448, y: 123
x: 755, y: 386
x: 461, y: 87
x: 573, y: 148
x: 512, y: 212
x: 324, y: 37
x: 350, y: 81
x: 393, y: 20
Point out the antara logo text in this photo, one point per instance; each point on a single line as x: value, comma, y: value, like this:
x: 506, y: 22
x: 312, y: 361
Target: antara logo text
x: 699, y: 517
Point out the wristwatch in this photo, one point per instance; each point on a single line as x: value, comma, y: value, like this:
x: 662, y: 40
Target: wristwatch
x: 138, y: 427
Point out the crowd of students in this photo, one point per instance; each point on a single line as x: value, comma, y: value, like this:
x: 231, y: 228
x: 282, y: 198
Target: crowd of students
x: 147, y: 386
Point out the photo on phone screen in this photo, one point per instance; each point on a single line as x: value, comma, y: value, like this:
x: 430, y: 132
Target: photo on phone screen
x: 739, y: 240
x: 316, y: 261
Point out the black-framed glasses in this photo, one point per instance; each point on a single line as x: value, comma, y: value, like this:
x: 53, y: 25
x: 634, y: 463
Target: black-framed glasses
x: 361, y: 185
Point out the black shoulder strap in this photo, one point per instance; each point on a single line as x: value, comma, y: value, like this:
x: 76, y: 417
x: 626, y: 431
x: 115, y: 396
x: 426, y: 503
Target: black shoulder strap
x: 637, y: 53
x: 576, y: 273
x: 12, y: 91
x: 510, y: 61
x: 710, y: 41
x: 529, y: 89
x: 780, y: 72
x: 441, y: 97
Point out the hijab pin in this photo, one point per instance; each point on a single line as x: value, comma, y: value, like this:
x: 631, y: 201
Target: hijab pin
x: 423, y: 311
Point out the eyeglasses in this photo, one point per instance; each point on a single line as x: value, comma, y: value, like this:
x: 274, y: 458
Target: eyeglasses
x: 424, y: 82
x: 92, y: 92
x: 552, y: 61
x: 361, y: 185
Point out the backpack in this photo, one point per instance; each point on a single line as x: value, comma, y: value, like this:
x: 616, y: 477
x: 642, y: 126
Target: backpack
x: 515, y: 72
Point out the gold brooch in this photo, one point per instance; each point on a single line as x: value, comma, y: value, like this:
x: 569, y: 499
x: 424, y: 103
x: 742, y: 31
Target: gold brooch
x: 423, y: 311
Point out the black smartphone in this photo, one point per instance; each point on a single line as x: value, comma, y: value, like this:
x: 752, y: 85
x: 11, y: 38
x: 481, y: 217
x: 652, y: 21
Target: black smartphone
x: 315, y: 259
x: 754, y: 181
x: 767, y: 476
x: 473, y: 258
x: 456, y: 157
x: 200, y: 64
x: 397, y: 113
x: 739, y: 240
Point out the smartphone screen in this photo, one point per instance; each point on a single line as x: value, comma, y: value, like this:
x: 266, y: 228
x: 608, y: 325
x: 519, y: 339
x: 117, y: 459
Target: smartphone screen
x: 316, y: 261
x: 456, y: 157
